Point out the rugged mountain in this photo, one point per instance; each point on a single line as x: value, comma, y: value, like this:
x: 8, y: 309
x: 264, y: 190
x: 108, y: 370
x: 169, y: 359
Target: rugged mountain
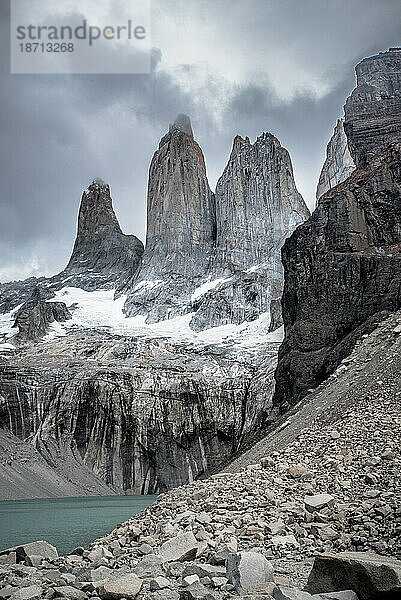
x: 257, y: 208
x: 217, y: 257
x: 342, y: 274
x: 372, y: 119
x: 181, y: 228
x: 342, y: 267
x: 149, y: 406
x: 102, y: 258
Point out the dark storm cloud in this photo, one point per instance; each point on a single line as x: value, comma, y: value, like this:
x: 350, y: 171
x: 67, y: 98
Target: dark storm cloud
x: 235, y: 67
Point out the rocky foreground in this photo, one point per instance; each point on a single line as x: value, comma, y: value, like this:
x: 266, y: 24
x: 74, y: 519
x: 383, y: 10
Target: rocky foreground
x: 334, y: 489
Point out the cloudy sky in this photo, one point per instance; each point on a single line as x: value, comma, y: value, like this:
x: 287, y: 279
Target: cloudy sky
x: 235, y: 66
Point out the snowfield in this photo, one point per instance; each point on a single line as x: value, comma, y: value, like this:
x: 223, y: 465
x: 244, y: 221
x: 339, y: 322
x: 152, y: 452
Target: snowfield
x: 100, y: 310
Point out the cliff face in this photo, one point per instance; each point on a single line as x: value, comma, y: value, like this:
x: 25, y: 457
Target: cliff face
x: 257, y: 208
x: 373, y: 111
x: 342, y: 274
x: 103, y: 256
x: 339, y: 163
x: 35, y: 316
x: 149, y: 406
x: 181, y: 228
x: 143, y: 415
x: 342, y: 267
x: 372, y: 119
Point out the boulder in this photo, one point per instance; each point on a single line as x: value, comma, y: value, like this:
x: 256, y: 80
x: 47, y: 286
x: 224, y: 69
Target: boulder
x: 204, y: 570
x: 72, y: 593
x: 149, y: 566
x: 289, y: 593
x: 127, y: 586
x: 31, y: 592
x: 246, y: 570
x: 179, y: 548
x: 159, y: 583
x: 197, y: 591
x: 318, y: 501
x: 39, y: 549
x: 370, y: 576
x: 8, y: 559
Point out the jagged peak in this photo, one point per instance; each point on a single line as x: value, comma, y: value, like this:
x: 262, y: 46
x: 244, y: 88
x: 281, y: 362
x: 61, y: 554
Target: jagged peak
x: 240, y: 143
x: 96, y: 184
x: 183, y: 124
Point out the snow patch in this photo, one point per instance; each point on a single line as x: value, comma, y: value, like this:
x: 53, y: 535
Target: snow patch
x: 147, y: 284
x: 7, y: 321
x: 207, y: 286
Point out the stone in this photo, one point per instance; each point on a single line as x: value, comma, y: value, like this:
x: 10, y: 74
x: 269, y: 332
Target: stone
x: 149, y: 566
x: 72, y: 593
x: 190, y: 579
x: 290, y: 593
x: 247, y: 569
x: 99, y: 552
x: 284, y: 540
x: 145, y: 549
x: 39, y: 549
x: 127, y: 586
x: 158, y: 583
x: 297, y: 471
x: 101, y: 573
x: 204, y: 570
x: 318, y: 501
x: 31, y: 592
x: 369, y: 575
x: 8, y: 559
x: 180, y: 548
x: 276, y: 527
x: 197, y: 591
x: 33, y: 560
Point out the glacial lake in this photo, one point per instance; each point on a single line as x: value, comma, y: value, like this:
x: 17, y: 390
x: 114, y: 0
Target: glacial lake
x: 65, y: 522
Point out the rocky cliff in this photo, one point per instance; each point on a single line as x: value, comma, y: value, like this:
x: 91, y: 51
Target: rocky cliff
x: 144, y: 415
x: 35, y: 316
x: 342, y: 274
x: 257, y: 208
x: 181, y: 228
x: 103, y: 256
x: 372, y: 119
x: 373, y: 111
x: 339, y: 163
x: 342, y: 267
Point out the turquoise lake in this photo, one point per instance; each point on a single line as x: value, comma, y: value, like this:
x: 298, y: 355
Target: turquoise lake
x: 65, y: 522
